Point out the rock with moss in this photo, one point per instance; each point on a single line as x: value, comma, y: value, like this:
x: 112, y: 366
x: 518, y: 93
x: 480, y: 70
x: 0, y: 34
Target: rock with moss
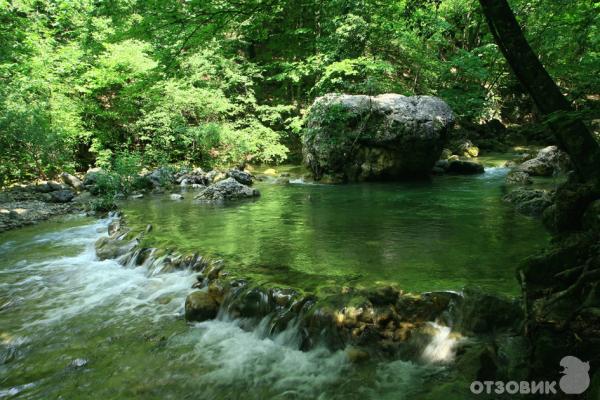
x: 200, y: 306
x: 531, y: 202
x: 464, y: 148
x: 518, y: 178
x: 228, y: 189
x: 361, y: 138
x: 112, y: 248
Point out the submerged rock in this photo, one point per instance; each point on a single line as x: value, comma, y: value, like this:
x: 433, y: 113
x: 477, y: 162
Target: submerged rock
x: 390, y: 136
x: 176, y: 196
x: 228, y: 189
x: 200, y: 306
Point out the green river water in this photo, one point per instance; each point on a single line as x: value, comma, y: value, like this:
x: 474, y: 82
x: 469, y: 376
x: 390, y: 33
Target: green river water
x: 73, y: 327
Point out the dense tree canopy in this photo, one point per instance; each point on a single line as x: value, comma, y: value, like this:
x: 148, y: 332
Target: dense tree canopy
x: 215, y: 82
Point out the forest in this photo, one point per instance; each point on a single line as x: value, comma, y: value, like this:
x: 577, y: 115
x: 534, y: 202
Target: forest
x: 103, y: 83
x: 299, y: 199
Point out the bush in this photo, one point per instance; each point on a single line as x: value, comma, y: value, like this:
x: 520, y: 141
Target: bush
x: 103, y: 204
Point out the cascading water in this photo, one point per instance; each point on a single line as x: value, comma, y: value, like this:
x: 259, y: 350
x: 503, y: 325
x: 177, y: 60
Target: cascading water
x: 76, y: 327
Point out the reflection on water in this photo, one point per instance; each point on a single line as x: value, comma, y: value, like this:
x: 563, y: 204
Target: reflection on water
x: 441, y: 234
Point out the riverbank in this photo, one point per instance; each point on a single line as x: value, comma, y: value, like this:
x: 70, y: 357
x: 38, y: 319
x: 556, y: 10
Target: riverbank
x: 23, y: 205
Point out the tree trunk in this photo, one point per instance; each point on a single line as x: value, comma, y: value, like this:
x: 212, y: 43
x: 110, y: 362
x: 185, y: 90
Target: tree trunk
x: 571, y: 133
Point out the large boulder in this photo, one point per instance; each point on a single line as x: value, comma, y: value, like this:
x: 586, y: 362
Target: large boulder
x: 228, y: 189
x: 390, y: 136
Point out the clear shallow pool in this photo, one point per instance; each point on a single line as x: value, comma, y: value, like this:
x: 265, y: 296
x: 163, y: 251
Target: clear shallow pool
x: 442, y: 234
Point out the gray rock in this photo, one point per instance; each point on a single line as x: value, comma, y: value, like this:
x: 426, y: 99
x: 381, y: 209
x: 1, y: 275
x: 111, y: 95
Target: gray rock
x: 196, y: 177
x: 372, y: 138
x: 160, y: 177
x: 549, y: 161
x: 43, y: 187
x: 62, y: 196
x: 228, y: 189
x: 57, y: 186
x: 72, y: 181
x: 176, y: 196
x: 518, y: 178
x: 83, y: 198
x: 464, y: 167
x: 242, y: 177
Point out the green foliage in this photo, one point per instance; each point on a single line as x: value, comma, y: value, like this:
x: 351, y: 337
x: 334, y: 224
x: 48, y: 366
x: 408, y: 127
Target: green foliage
x: 103, y: 204
x: 86, y: 83
x: 358, y: 76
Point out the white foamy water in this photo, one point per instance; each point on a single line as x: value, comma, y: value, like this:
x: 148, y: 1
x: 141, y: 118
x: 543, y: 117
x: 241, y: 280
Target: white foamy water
x: 69, y: 320
x: 442, y: 347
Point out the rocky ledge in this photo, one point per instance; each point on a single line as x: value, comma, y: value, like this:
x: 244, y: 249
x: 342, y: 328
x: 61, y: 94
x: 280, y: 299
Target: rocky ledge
x: 23, y: 205
x: 381, y: 321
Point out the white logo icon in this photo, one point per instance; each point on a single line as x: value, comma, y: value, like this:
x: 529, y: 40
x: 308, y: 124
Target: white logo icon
x: 576, y: 378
